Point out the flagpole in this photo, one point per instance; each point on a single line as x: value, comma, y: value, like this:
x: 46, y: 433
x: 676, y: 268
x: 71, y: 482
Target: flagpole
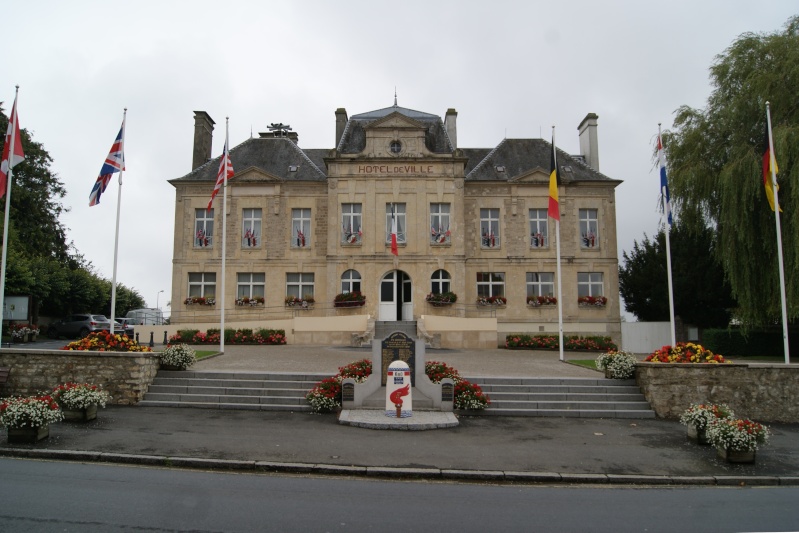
x: 116, y: 233
x: 224, y: 234
x: 9, y: 179
x: 557, y: 241
x: 668, y: 248
x: 779, y: 235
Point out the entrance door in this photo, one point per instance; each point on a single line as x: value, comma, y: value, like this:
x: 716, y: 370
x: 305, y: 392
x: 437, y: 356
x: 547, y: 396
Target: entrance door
x: 396, y: 301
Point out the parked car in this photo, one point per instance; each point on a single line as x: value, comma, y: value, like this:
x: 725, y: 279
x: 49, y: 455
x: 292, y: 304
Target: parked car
x: 123, y: 326
x: 78, y: 325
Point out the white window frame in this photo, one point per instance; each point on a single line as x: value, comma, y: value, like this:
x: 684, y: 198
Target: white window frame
x: 439, y: 223
x: 250, y: 285
x: 351, y: 223
x: 440, y: 282
x: 203, y: 228
x: 540, y: 284
x: 539, y: 228
x: 351, y: 281
x: 489, y: 227
x: 590, y: 284
x: 202, y: 284
x: 300, y: 284
x: 490, y: 284
x: 399, y: 212
x: 589, y: 229
x: 251, y: 236
x: 301, y: 222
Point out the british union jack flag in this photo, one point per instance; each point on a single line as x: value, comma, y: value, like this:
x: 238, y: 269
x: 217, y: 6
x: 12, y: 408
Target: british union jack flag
x: 115, y: 162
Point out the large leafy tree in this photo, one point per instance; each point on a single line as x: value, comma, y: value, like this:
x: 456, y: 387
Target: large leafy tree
x: 701, y: 295
x: 40, y: 261
x: 715, y: 157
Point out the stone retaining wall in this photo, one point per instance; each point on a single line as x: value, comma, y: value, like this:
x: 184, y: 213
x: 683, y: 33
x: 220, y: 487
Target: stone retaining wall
x: 126, y: 376
x: 761, y: 392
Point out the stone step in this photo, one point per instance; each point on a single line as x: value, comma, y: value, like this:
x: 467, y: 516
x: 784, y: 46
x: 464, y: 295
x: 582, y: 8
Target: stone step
x: 207, y: 398
x: 563, y: 396
x: 234, y: 406
x: 571, y: 413
x: 233, y: 383
x: 226, y: 391
x: 560, y: 389
x: 514, y: 381
x: 570, y: 405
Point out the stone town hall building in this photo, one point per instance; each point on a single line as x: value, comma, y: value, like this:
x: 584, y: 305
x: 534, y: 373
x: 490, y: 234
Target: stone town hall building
x: 308, y: 224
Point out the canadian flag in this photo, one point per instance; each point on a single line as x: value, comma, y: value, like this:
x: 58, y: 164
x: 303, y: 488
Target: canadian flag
x: 11, y: 158
x: 394, y: 249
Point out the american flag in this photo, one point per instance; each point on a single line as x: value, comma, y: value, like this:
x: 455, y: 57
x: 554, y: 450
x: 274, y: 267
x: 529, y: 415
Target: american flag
x: 115, y: 162
x: 225, y: 172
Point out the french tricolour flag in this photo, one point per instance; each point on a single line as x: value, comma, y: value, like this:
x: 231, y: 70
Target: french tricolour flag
x: 665, y: 197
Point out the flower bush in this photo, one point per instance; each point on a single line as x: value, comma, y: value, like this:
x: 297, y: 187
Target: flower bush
x: 326, y: 395
x: 685, y: 352
x: 596, y: 301
x: 619, y: 364
x: 19, y: 331
x: 441, y: 298
x: 252, y: 302
x: 536, y: 301
x: 199, y: 300
x: 359, y: 370
x: 103, y: 341
x: 736, y: 435
x: 179, y: 355
x: 468, y: 395
x: 79, y: 395
x: 30, y: 411
x: 492, y: 300
x: 232, y: 336
x: 550, y: 342
x: 349, y: 299
x: 305, y: 301
x: 701, y: 415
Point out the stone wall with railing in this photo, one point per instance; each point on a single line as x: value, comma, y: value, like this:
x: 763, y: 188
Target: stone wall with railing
x: 760, y: 391
x: 126, y: 376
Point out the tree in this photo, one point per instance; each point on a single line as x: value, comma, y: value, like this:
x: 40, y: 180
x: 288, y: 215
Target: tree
x: 715, y: 157
x: 701, y: 295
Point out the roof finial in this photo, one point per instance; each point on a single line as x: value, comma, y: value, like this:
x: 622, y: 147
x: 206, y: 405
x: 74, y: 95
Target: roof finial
x: 395, y: 96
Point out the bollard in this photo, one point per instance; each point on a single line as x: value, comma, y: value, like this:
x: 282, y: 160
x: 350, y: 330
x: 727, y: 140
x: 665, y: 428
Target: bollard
x: 152, y: 344
x: 399, y: 400
x: 165, y: 342
x: 137, y: 337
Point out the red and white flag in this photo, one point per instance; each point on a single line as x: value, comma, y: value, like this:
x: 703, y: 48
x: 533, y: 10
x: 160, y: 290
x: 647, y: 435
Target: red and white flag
x: 11, y: 158
x: 225, y: 172
x: 394, y: 249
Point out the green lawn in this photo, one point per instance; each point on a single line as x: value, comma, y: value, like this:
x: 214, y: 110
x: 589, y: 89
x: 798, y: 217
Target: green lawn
x: 202, y: 354
x: 587, y: 363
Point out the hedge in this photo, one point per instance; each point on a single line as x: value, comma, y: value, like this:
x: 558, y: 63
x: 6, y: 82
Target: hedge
x: 733, y: 341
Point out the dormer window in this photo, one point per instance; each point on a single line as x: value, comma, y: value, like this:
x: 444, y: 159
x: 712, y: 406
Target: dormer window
x: 395, y: 147
x: 293, y: 168
x: 500, y: 168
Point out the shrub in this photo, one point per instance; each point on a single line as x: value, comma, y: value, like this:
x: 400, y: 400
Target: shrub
x: 570, y: 342
x: 735, y: 341
x: 736, y: 435
x: 701, y: 415
x: 685, y: 352
x: 103, y: 341
x: 326, y: 395
x: 468, y: 395
x: 30, y: 411
x: 619, y: 364
x: 184, y: 335
x: 79, y: 395
x: 359, y: 370
x: 179, y: 355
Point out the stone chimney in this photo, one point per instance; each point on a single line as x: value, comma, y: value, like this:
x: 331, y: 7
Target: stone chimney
x: 341, y: 123
x: 203, y: 135
x: 589, y: 145
x: 290, y: 135
x: 449, y: 125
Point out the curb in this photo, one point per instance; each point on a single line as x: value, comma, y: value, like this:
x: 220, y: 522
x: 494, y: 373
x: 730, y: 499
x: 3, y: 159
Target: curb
x: 501, y: 476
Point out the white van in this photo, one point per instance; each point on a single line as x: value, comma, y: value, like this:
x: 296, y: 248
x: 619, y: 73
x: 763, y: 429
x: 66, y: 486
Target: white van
x: 139, y: 317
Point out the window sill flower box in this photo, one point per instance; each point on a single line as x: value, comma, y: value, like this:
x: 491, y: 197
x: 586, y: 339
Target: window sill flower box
x: 492, y: 301
x: 541, y: 301
x: 592, y: 301
x: 299, y: 303
x: 349, y: 299
x: 441, y: 299
x: 199, y: 300
x: 250, y: 302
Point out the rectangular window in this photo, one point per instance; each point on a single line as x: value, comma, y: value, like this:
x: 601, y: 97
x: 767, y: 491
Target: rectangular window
x: 203, y: 228
x: 299, y: 285
x: 439, y: 224
x: 540, y: 284
x: 589, y: 284
x: 250, y: 285
x: 398, y: 211
x: 490, y: 284
x: 539, y: 238
x: 589, y: 229
x: 300, y: 228
x: 202, y: 284
x: 489, y: 228
x: 351, y: 232
x: 251, y: 228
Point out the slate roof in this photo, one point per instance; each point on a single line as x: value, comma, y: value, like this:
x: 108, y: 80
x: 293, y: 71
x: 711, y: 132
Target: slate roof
x: 353, y: 140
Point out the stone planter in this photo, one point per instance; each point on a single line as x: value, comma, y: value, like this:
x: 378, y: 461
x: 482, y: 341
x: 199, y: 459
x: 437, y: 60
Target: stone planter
x: 353, y: 303
x: 697, y: 435
x: 28, y: 435
x: 80, y: 415
x: 608, y: 375
x: 735, y: 456
x: 170, y: 367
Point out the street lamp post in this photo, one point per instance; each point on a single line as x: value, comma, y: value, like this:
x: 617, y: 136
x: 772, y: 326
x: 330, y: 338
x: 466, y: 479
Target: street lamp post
x: 157, y: 296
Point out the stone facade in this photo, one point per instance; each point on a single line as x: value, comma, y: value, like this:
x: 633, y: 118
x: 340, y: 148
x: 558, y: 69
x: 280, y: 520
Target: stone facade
x: 761, y: 392
x: 126, y: 376
x: 409, y: 160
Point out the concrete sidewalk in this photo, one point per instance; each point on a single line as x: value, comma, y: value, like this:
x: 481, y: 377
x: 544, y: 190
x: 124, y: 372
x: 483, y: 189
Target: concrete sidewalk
x: 544, y: 450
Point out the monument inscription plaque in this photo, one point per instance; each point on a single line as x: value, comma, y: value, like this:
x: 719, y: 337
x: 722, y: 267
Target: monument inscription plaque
x: 348, y: 392
x: 398, y: 347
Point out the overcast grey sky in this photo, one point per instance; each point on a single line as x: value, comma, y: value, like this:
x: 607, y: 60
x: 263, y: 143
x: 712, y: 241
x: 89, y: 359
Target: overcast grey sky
x: 511, y: 69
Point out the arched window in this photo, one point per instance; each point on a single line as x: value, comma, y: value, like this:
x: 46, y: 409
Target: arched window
x: 440, y: 282
x: 351, y: 281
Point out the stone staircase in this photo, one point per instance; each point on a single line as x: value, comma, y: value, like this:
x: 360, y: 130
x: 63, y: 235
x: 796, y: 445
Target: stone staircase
x: 274, y: 391
x: 564, y: 397
x: 271, y: 391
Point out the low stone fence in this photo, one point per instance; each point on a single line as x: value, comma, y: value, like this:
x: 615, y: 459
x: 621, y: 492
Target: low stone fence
x: 126, y: 376
x: 759, y: 391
